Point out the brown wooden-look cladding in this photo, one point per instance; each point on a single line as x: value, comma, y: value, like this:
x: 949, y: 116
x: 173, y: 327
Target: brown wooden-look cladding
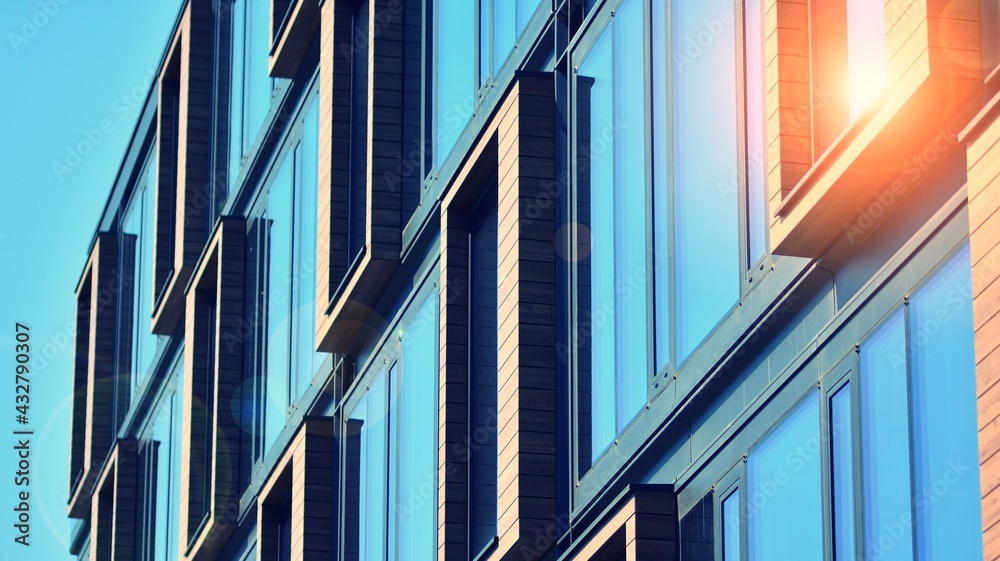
x: 360, y: 289
x: 521, y: 138
x: 114, y: 510
x: 95, y: 367
x: 193, y: 179
x: 219, y: 275
x: 983, y: 138
x: 644, y: 528
x: 307, y: 472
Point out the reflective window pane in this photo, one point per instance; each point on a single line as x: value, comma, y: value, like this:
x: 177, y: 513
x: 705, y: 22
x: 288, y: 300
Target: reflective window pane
x: 277, y: 224
x: 366, y: 445
x: 612, y: 177
x: 504, y: 31
x: 784, y: 489
x: 306, y: 360
x: 631, y: 250
x: 945, y: 428
x: 885, y: 443
x: 595, y: 270
x: 454, y: 88
x: 842, y: 469
x: 731, y: 547
x: 706, y: 204
x: 415, y: 428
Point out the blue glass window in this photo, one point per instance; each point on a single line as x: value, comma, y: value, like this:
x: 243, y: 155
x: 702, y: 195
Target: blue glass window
x: 689, y: 247
x: 842, y: 470
x: 509, y: 20
x: 935, y: 494
x: 705, y: 204
x: 281, y: 289
x: 945, y: 427
x: 366, y: 443
x: 305, y: 361
x: 731, y: 544
x: 785, y: 489
x: 454, y: 72
x: 413, y: 459
x: 885, y: 443
x: 250, y: 82
x: 611, y: 177
x: 277, y: 234
x: 137, y: 343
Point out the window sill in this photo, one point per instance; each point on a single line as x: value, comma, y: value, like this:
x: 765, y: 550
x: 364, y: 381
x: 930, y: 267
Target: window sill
x: 292, y: 40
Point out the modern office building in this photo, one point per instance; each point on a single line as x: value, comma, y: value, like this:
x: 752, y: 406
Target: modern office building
x: 492, y: 280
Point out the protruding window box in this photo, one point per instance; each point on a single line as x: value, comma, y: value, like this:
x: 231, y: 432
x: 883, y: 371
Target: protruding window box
x: 293, y: 24
x: 360, y: 199
x: 92, y: 425
x: 183, y: 178
x: 213, y: 361
x: 823, y: 192
x: 295, y: 508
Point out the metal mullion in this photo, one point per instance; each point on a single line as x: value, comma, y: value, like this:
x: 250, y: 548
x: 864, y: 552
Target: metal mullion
x: 742, y: 169
x: 910, y: 426
x: 651, y: 369
x: 572, y: 339
x: 858, y: 450
x: 672, y: 361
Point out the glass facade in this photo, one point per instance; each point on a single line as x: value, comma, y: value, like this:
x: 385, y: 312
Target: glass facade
x: 454, y: 85
x: 768, y: 416
x: 920, y: 444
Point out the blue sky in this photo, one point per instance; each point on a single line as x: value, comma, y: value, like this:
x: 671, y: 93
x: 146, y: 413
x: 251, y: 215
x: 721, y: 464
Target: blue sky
x: 67, y: 65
